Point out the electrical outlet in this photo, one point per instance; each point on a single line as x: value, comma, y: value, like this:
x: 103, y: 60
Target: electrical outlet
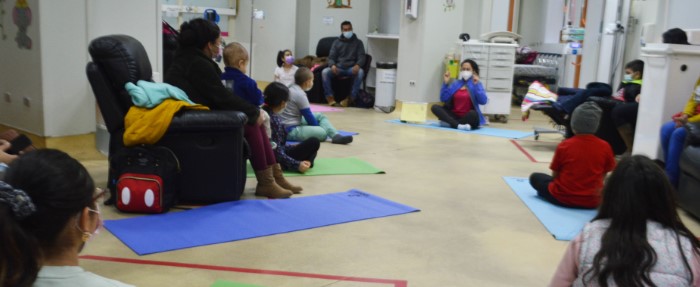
x: 8, y: 97
x: 412, y: 83
x: 26, y: 101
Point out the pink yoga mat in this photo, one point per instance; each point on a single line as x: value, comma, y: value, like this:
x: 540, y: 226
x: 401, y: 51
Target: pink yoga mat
x: 324, y: 109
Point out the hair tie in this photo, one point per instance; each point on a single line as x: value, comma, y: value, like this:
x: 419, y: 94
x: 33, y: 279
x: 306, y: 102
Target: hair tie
x: 18, y: 200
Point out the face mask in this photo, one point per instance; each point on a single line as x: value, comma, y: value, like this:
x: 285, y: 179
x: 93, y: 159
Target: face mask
x: 218, y: 55
x: 627, y: 78
x: 289, y: 60
x: 347, y: 34
x: 99, y: 223
x: 465, y: 75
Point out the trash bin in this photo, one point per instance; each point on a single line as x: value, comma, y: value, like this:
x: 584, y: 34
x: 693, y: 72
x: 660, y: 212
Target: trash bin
x: 385, y: 93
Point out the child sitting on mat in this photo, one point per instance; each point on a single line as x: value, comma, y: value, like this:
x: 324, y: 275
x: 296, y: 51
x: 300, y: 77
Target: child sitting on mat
x: 580, y: 163
x: 637, y: 237
x: 299, y: 157
x: 298, y: 119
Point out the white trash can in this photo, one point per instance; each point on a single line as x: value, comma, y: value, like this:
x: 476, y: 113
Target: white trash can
x: 385, y: 93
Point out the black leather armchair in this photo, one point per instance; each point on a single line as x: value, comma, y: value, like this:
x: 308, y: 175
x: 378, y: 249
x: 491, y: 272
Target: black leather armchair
x: 208, y: 144
x: 689, y: 184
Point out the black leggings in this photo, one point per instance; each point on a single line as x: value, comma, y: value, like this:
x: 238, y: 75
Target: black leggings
x: 446, y: 115
x: 540, y: 182
x: 306, y: 150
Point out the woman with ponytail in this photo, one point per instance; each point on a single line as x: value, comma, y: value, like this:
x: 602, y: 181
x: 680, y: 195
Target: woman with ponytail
x: 48, y: 212
x: 637, y: 239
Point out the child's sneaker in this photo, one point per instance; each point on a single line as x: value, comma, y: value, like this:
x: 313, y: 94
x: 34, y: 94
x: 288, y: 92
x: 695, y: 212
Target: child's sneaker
x: 464, y: 127
x: 341, y: 139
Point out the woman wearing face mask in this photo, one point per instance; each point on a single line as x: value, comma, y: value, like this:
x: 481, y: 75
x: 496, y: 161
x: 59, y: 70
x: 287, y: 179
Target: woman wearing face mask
x: 48, y: 212
x: 298, y: 119
x: 462, y: 98
x: 284, y: 73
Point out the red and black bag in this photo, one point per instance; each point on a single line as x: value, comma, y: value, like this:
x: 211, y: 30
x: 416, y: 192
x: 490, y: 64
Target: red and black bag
x: 146, y: 179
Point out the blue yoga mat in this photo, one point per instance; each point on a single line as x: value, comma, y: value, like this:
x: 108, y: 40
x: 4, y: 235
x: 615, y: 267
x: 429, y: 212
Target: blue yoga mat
x: 343, y: 133
x: 246, y: 219
x: 563, y: 223
x: 484, y: 131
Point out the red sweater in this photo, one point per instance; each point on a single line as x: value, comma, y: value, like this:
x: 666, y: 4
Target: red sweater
x: 581, y: 163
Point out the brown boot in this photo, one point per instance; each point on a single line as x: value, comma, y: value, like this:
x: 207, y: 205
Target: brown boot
x: 627, y: 135
x: 267, y: 186
x: 281, y: 181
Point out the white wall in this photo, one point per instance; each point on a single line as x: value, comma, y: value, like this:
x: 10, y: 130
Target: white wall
x: 69, y: 107
x: 137, y: 18
x: 422, y: 49
x: 21, y: 74
x: 277, y: 31
x: 301, y: 44
x: 683, y: 14
x: 532, y: 23
x: 471, y: 20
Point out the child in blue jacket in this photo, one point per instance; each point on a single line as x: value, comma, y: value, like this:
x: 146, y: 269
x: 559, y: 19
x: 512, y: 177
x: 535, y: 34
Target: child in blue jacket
x: 462, y: 99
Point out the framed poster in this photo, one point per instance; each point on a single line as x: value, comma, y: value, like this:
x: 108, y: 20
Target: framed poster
x: 412, y: 8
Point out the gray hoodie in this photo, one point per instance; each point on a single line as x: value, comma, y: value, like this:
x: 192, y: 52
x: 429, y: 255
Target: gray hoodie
x: 345, y: 52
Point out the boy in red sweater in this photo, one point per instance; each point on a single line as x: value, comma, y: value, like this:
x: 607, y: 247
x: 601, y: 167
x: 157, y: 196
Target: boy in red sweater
x: 580, y: 163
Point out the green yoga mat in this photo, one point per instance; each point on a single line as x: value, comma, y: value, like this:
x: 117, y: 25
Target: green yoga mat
x: 332, y: 166
x: 222, y: 283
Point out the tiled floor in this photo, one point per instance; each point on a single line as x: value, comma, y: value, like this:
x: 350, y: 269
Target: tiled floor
x: 471, y: 231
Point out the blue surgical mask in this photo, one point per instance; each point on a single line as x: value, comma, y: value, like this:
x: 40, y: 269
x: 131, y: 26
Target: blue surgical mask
x: 627, y: 78
x: 347, y: 34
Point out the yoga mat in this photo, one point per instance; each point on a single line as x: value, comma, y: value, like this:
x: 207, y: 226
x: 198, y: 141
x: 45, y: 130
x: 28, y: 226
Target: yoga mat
x: 484, y: 131
x: 222, y: 283
x: 332, y: 166
x: 323, y: 109
x: 563, y: 223
x: 244, y: 219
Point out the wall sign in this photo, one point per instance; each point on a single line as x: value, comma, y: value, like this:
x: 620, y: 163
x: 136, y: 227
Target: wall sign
x: 339, y: 4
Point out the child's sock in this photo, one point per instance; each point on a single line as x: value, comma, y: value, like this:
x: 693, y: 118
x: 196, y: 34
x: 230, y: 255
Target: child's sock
x: 464, y: 127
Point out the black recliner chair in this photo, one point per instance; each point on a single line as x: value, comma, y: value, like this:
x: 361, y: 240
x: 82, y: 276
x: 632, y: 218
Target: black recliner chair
x: 208, y: 144
x: 689, y: 182
x: 341, y: 87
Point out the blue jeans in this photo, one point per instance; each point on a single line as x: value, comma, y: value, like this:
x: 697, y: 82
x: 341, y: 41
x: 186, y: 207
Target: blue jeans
x: 672, y: 141
x: 327, y: 75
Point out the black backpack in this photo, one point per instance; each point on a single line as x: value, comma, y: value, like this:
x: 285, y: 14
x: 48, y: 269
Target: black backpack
x: 146, y: 179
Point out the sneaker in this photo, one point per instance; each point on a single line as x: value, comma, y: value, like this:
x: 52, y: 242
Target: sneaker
x: 464, y: 127
x: 341, y: 139
x: 344, y: 103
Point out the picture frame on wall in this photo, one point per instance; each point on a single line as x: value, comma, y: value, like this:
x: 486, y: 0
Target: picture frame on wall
x: 411, y: 8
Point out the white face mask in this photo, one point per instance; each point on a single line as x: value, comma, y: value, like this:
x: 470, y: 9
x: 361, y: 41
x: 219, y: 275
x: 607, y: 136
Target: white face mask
x: 627, y: 78
x: 347, y: 34
x: 465, y: 75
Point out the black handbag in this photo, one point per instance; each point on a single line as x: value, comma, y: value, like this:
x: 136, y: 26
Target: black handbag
x: 146, y: 179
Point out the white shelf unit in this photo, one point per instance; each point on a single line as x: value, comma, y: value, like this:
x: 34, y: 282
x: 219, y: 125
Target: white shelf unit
x: 382, y: 48
x: 496, y: 65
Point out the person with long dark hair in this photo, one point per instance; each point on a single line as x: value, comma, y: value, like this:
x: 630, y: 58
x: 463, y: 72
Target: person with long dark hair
x: 193, y: 71
x: 299, y: 157
x: 48, y: 212
x: 462, y: 98
x: 637, y: 237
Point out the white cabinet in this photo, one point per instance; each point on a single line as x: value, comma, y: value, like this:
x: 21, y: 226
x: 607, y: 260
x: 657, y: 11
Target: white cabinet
x: 496, y: 64
x: 382, y: 48
x: 670, y: 73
